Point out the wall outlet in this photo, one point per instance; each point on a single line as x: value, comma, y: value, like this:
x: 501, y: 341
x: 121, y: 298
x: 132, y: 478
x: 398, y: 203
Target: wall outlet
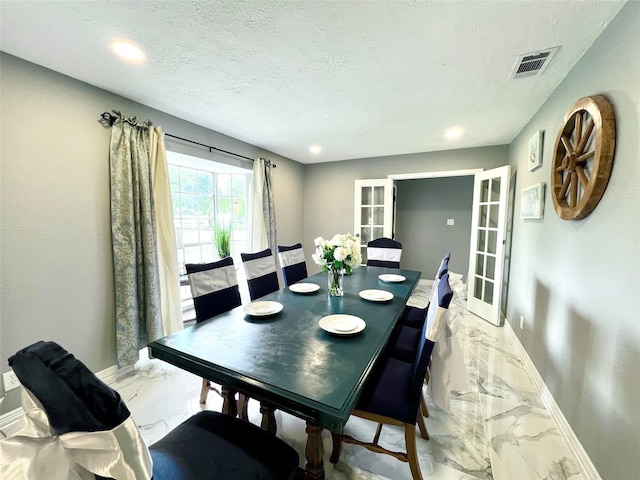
x: 450, y: 221
x: 10, y: 380
x: 521, y: 322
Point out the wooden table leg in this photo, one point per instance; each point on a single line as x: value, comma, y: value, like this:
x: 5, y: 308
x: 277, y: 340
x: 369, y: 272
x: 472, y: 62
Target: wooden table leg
x: 314, y: 469
x: 229, y: 405
x: 337, y: 447
x: 243, y: 406
x: 268, y: 418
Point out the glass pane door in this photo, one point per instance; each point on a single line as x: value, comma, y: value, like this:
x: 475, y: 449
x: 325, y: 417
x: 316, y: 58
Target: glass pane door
x: 373, y: 211
x: 487, y: 243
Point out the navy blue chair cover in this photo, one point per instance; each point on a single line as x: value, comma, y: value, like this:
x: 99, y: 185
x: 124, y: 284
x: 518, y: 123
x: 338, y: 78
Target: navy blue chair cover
x: 208, y: 445
x: 213, y: 445
x: 214, y: 287
x: 393, y: 394
x: 384, y: 252
x: 414, y: 316
x: 262, y: 277
x: 404, y: 342
x: 376, y: 397
x: 65, y: 387
x: 444, y: 266
x: 406, y: 336
x: 293, y: 264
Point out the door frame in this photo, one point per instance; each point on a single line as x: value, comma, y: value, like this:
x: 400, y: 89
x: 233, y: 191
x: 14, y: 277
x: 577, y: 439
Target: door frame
x: 490, y: 310
x: 461, y: 173
x: 389, y: 209
x: 435, y: 174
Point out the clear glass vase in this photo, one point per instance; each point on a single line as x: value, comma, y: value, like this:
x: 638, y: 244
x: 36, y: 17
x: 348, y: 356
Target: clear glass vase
x: 334, y: 284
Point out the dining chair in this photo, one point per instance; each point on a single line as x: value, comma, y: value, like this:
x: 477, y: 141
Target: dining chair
x: 392, y: 395
x: 292, y: 263
x: 80, y: 425
x: 260, y: 269
x: 214, y: 288
x: 444, y: 265
x: 405, y: 339
x: 415, y: 316
x: 384, y: 252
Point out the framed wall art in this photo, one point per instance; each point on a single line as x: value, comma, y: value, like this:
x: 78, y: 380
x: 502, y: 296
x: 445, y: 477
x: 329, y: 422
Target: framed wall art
x: 532, y: 202
x: 535, y: 150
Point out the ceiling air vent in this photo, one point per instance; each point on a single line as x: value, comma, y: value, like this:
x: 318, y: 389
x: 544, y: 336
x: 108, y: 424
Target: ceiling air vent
x: 533, y: 63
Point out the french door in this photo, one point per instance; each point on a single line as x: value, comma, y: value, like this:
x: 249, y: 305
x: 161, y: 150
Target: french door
x: 488, y: 239
x: 374, y: 211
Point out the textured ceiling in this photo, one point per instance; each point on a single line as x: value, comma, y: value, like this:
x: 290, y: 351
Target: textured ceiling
x: 361, y: 79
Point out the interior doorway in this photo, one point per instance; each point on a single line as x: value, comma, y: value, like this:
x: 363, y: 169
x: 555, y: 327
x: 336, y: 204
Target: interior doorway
x: 428, y: 223
x: 434, y: 218
x: 423, y: 243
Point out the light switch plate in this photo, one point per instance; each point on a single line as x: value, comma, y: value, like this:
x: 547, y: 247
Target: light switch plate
x: 450, y: 221
x: 10, y: 380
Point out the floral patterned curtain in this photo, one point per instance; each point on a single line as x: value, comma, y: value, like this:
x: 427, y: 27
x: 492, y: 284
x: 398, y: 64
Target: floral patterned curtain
x: 264, y: 213
x: 133, y: 233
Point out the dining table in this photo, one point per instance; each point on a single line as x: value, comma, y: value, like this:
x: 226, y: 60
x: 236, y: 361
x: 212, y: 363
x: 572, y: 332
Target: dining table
x: 298, y: 358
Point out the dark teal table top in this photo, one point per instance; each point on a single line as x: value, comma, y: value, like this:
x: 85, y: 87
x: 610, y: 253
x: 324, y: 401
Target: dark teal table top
x: 287, y: 360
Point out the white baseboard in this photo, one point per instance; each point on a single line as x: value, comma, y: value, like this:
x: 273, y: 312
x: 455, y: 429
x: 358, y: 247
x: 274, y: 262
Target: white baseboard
x: 587, y: 467
x: 9, y: 422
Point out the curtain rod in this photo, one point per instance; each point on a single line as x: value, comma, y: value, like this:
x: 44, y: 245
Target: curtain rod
x: 110, y: 119
x: 266, y: 161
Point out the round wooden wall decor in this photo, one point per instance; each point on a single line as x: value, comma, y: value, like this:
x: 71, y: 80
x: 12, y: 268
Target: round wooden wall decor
x: 583, y: 157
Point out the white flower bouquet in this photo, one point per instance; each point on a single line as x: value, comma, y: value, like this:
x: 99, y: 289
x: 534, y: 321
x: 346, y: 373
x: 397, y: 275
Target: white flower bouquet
x: 341, y: 253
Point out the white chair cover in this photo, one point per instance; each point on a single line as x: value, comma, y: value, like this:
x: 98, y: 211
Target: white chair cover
x: 291, y: 257
x: 448, y: 370
x: 210, y: 281
x: 384, y: 254
x: 35, y: 452
x: 259, y: 267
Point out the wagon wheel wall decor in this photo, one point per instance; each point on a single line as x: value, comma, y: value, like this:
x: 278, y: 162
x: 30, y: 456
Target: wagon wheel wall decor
x: 583, y: 157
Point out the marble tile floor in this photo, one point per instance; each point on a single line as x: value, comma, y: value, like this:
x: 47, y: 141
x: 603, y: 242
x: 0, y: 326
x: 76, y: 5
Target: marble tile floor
x: 498, y: 429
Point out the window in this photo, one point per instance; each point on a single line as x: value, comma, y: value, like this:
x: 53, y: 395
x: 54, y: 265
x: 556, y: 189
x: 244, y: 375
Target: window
x: 206, y: 194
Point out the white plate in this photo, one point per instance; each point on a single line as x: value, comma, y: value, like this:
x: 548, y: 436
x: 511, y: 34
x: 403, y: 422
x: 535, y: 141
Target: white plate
x: 304, y: 287
x: 391, y: 277
x: 376, y: 295
x: 341, y: 324
x: 262, y: 309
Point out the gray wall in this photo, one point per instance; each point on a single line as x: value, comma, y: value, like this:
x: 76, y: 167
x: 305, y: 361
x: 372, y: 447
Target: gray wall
x: 56, y: 266
x: 577, y: 283
x: 329, y: 189
x: 423, y: 207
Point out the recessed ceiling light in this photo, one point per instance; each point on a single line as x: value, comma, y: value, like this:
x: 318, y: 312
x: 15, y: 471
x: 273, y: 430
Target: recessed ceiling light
x: 127, y: 50
x: 315, y: 149
x: 454, y: 132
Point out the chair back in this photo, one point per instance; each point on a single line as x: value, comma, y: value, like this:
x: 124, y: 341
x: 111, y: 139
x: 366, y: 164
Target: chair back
x: 105, y: 440
x: 76, y: 401
x: 433, y: 328
x: 444, y: 266
x: 260, y: 269
x: 442, y: 270
x: 214, y: 287
x: 72, y: 396
x: 293, y: 264
x: 384, y: 252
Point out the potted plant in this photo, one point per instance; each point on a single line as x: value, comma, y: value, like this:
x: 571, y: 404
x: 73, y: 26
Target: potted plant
x: 222, y: 240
